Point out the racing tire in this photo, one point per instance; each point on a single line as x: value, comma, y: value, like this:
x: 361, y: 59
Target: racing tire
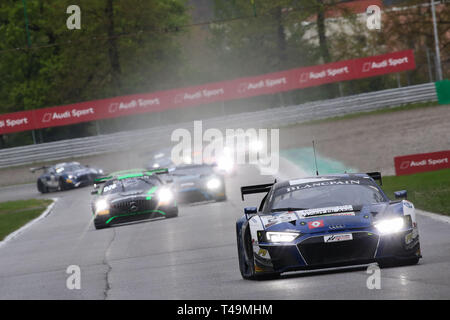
x: 62, y: 185
x: 246, y: 264
x: 41, y: 187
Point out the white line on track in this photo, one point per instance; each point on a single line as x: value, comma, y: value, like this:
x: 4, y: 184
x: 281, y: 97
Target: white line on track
x: 30, y: 223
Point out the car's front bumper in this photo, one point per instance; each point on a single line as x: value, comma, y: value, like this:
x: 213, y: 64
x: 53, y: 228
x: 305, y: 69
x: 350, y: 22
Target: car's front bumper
x: 312, y: 252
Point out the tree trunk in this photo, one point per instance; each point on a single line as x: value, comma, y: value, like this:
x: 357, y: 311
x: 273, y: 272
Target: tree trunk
x: 113, y: 51
x: 330, y: 89
x: 281, y: 37
x: 321, y: 30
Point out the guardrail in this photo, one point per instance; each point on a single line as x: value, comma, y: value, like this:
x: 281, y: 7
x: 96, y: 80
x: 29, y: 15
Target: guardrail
x: 269, y: 118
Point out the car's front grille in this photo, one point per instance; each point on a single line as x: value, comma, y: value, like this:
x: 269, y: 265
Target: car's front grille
x: 130, y: 206
x: 316, y: 252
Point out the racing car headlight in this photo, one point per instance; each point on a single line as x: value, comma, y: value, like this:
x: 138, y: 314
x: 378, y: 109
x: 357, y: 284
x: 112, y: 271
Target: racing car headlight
x: 165, y: 195
x: 102, y: 207
x: 272, y: 236
x: 213, y: 183
x: 389, y: 225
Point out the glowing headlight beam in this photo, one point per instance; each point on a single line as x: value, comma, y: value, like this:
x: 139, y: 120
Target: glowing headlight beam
x: 165, y: 196
x: 101, y: 205
x: 389, y: 225
x: 281, y: 236
x: 213, y: 184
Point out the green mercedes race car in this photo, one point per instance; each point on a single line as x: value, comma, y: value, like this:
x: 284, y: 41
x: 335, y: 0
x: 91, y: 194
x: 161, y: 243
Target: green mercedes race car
x: 132, y: 195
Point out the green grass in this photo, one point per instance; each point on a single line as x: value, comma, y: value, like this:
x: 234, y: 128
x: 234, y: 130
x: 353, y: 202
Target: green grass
x: 429, y: 191
x: 411, y: 106
x: 15, y: 214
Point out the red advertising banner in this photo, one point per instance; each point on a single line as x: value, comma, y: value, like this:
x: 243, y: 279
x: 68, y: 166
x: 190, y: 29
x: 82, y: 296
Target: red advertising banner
x: 422, y: 162
x: 208, y: 93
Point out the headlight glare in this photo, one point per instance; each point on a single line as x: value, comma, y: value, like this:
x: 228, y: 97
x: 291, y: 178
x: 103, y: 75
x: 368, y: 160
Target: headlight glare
x: 213, y: 183
x: 388, y: 226
x: 165, y: 195
x: 272, y: 236
x: 101, y: 205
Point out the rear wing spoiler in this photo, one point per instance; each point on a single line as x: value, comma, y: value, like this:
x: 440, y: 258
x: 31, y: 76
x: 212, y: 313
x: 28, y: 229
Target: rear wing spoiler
x: 148, y: 173
x: 259, y: 188
x: 102, y: 179
x: 33, y: 170
x: 158, y: 171
x: 375, y: 176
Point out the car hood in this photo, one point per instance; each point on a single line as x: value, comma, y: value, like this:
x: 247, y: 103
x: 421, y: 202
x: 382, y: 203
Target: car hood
x: 330, y: 218
x: 81, y: 172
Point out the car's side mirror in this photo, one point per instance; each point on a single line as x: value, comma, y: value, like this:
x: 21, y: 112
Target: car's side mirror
x: 402, y: 194
x: 250, y: 210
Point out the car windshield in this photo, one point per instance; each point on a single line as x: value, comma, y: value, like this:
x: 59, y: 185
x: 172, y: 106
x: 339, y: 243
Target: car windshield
x: 129, y: 184
x: 69, y: 168
x: 327, y: 196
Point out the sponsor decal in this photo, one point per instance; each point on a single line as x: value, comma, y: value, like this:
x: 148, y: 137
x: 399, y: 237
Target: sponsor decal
x: 325, y: 211
x: 74, y: 113
x: 220, y: 91
x: 275, y: 219
x: 422, y: 162
x: 338, y: 237
x: 262, y: 252
x: 315, y: 224
x: 322, y: 183
x: 14, y: 122
x: 47, y: 117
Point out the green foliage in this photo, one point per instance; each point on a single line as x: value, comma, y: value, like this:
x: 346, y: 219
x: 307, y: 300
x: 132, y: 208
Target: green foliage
x: 136, y: 49
x: 429, y: 191
x: 15, y: 214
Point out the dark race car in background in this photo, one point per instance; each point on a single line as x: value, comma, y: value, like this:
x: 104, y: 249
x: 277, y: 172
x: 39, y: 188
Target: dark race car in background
x: 198, y: 182
x: 132, y: 195
x: 67, y: 175
x: 325, y: 221
x: 158, y: 159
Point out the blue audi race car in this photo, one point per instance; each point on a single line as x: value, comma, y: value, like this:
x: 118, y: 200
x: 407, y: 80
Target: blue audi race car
x: 324, y: 222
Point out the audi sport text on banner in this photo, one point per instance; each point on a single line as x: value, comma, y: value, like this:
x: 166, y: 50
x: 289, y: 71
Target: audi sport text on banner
x: 422, y: 162
x: 213, y: 92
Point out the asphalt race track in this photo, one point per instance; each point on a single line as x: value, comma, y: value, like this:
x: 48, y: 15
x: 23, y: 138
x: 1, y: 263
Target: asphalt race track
x: 190, y: 257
